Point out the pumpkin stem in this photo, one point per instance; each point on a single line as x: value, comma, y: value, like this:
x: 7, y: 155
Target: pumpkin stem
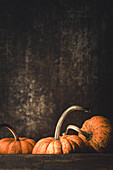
x: 12, y: 130
x: 63, y: 116
x: 87, y: 135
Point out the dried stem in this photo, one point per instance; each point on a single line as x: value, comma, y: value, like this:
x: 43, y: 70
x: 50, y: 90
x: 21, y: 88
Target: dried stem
x: 12, y: 130
x: 64, y: 115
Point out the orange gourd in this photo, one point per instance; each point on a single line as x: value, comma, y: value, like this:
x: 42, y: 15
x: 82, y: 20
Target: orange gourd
x: 60, y: 144
x: 16, y: 145
x: 97, y: 133
x: 100, y: 133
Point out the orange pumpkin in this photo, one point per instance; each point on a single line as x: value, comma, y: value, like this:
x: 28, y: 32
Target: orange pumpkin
x: 100, y: 133
x: 66, y: 144
x: 97, y: 133
x: 60, y: 144
x: 16, y: 145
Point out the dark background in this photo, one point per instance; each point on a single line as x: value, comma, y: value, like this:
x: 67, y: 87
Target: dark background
x: 54, y: 54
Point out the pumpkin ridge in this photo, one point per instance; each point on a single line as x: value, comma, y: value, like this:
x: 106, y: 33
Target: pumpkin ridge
x: 32, y: 142
x: 21, y: 147
x: 46, y: 144
x: 46, y: 148
x: 29, y: 145
x: 40, y: 146
x: 53, y: 147
x: 6, y: 146
x: 24, y: 146
x: 61, y: 148
x: 14, y: 148
x: 57, y: 148
x: 39, y: 143
x: 72, y: 144
x: 28, y: 142
x: 34, y: 150
x: 65, y: 145
x: 11, y: 148
x: 96, y: 145
x: 78, y: 142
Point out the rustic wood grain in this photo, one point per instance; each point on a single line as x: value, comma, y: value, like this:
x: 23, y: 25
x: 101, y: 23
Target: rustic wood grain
x: 56, y: 162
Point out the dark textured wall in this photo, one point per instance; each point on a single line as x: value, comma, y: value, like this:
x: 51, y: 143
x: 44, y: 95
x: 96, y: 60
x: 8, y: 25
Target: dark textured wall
x: 54, y: 54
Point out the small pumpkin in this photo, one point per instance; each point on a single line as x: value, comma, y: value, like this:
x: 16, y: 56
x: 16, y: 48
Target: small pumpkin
x: 60, y: 144
x: 16, y: 145
x: 97, y: 133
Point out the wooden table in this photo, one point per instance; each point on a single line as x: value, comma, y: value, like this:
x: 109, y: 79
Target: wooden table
x: 56, y: 162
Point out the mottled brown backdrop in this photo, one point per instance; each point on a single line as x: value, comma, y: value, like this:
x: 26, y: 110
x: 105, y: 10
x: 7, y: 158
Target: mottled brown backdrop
x: 54, y: 54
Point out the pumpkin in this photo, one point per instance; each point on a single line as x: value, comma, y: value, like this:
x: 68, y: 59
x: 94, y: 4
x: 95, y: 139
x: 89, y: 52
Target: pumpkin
x: 16, y: 145
x: 60, y: 144
x: 97, y: 133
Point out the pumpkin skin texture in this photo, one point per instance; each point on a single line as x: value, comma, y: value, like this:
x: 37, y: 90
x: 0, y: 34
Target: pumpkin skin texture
x: 102, y: 134
x: 16, y: 145
x: 60, y: 144
x: 67, y: 144
x: 96, y: 132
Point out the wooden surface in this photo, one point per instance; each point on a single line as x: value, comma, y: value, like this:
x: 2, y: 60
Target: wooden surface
x: 54, y: 162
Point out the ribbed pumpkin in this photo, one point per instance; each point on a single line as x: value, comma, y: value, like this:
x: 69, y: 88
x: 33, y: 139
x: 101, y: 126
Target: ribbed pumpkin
x: 97, y: 133
x: 100, y: 133
x: 60, y: 144
x: 16, y: 145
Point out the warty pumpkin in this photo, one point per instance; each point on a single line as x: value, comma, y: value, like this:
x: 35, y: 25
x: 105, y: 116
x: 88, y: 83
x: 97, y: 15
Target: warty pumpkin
x: 60, y: 144
x: 97, y: 133
x: 16, y: 145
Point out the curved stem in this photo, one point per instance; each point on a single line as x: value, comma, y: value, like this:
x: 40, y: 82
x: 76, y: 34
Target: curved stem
x: 12, y: 130
x: 87, y: 135
x: 64, y: 115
